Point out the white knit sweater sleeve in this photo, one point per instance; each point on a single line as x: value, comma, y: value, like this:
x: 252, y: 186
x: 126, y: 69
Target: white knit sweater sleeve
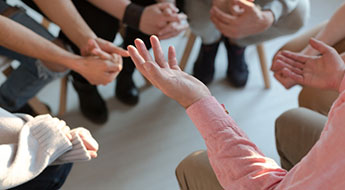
x: 79, y: 151
x: 23, y: 156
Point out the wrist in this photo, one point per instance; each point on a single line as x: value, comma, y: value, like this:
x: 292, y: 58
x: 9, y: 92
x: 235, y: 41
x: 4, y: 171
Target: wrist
x: 267, y: 18
x: 132, y: 15
x: 73, y: 62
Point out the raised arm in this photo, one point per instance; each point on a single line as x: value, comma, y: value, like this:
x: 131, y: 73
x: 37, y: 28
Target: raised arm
x: 237, y: 162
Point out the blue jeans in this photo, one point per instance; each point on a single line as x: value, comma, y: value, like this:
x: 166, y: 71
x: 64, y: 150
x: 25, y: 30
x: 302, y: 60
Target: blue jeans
x: 52, y: 178
x: 31, y: 76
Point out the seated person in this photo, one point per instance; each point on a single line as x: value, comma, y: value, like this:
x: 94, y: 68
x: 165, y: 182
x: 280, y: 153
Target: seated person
x: 37, y: 152
x: 103, y: 17
x: 298, y: 129
x: 239, y: 23
x: 44, y: 61
x: 237, y: 162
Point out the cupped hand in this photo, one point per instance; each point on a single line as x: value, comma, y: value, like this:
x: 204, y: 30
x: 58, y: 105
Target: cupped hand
x: 277, y: 69
x: 325, y: 71
x: 167, y: 75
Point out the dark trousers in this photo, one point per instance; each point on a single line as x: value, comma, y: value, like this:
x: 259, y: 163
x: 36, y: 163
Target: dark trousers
x: 106, y: 27
x: 52, y: 178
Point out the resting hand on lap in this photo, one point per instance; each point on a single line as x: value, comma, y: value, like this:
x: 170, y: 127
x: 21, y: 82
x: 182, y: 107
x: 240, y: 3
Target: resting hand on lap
x: 325, y: 71
x: 167, y: 75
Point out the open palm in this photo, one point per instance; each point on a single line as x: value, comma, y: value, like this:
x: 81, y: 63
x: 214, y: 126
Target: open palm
x: 325, y: 71
x: 167, y: 75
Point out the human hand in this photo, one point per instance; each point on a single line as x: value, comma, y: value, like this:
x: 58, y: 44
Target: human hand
x: 167, y: 75
x: 162, y: 20
x: 102, y: 47
x: 89, y: 142
x: 251, y: 20
x: 287, y: 82
x: 98, y: 70
x: 325, y: 71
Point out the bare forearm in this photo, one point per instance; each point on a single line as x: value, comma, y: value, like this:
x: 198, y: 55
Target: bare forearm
x: 115, y: 8
x: 66, y: 16
x: 335, y: 28
x: 22, y: 40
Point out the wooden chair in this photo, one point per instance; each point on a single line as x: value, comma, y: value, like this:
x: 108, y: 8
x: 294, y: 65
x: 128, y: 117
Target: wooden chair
x: 260, y: 49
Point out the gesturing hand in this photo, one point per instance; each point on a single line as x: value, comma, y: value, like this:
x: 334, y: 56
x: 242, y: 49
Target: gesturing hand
x: 325, y: 71
x: 248, y: 21
x: 166, y: 75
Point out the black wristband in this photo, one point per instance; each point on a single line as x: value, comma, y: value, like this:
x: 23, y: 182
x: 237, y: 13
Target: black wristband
x: 132, y: 15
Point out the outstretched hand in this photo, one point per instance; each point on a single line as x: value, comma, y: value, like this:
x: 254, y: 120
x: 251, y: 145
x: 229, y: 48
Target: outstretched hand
x: 325, y: 71
x: 167, y: 75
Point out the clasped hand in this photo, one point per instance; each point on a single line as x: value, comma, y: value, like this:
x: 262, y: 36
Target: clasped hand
x: 240, y: 18
x: 102, y: 61
x: 163, y: 20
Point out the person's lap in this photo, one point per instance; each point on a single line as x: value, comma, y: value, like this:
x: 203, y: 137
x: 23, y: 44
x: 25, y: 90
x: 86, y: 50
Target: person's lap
x: 52, y: 178
x: 201, y: 24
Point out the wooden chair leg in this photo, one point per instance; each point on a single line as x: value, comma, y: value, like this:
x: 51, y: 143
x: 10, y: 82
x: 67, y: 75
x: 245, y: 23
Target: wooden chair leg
x: 63, y: 96
x: 263, y: 64
x: 187, y: 50
x: 38, y: 106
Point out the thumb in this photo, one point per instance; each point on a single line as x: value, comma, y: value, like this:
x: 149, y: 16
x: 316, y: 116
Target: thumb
x: 320, y: 46
x: 92, y: 44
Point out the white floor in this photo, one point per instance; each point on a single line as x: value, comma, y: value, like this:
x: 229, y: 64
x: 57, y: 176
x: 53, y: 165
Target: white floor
x: 141, y: 146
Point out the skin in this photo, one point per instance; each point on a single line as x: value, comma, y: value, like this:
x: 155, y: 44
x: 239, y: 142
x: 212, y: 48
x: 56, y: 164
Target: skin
x: 161, y: 19
x: 245, y: 20
x: 324, y: 71
x: 166, y: 74
x: 96, y: 69
x: 335, y: 27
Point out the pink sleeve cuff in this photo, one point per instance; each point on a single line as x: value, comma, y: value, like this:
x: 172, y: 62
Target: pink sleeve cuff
x: 342, y: 85
x: 206, y: 115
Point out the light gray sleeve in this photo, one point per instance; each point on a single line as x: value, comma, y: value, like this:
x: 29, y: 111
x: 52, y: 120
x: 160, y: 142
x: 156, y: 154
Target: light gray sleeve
x: 279, y: 8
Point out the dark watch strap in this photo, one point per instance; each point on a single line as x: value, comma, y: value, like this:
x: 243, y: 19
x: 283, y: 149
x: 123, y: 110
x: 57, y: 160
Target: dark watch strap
x: 132, y: 15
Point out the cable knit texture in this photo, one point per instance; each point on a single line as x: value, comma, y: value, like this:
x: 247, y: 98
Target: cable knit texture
x: 239, y: 164
x: 28, y: 145
x: 79, y: 151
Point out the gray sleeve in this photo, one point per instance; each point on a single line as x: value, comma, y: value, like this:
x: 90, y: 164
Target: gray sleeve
x: 279, y: 8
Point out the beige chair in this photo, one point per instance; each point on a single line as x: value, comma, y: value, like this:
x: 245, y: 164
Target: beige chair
x: 260, y: 49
